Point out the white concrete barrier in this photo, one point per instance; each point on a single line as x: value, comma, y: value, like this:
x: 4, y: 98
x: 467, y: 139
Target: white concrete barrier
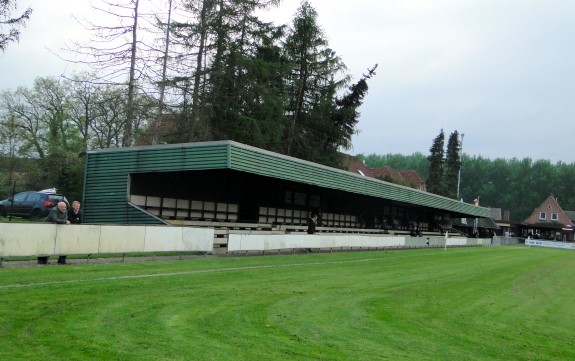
x: 19, y: 239
x: 422, y: 241
x: 457, y: 241
x: 113, y: 239
x: 507, y: 241
x: 199, y: 239
x: 264, y: 242
x: 436, y: 241
x: 75, y: 240
x: 163, y: 239
x: 27, y: 239
x: 484, y: 242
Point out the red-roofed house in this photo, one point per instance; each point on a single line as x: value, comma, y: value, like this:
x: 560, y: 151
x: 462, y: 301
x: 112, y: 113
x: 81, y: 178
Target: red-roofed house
x: 404, y: 177
x: 550, y: 221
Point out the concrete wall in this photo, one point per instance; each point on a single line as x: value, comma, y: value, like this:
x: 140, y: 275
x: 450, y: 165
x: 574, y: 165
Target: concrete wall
x: 507, y: 241
x: 27, y: 239
x: 255, y: 242
x: 20, y: 239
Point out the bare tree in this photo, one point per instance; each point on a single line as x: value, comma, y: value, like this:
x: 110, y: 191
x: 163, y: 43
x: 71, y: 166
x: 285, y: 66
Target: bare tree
x: 113, y: 52
x: 107, y: 127
x: 201, y: 39
x: 165, y: 56
x: 98, y: 112
x: 9, y: 26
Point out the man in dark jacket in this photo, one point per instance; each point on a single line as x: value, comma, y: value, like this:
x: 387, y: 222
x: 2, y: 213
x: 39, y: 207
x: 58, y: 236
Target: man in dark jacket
x: 58, y: 214
x: 311, y: 223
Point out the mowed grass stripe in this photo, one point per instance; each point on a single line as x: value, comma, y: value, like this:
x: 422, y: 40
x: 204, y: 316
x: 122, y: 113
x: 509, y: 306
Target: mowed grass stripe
x: 473, y: 303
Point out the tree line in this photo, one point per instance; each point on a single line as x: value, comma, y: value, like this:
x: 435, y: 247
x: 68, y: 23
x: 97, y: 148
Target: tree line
x: 216, y: 71
x: 517, y: 185
x: 211, y: 68
x: 221, y: 72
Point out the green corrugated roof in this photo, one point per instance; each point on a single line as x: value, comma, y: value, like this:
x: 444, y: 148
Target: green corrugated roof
x: 107, y: 171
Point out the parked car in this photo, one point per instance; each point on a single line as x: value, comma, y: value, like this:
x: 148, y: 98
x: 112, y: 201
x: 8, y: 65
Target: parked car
x: 31, y: 204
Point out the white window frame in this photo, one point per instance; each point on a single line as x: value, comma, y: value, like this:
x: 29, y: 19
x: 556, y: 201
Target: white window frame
x: 542, y: 216
x: 554, y: 216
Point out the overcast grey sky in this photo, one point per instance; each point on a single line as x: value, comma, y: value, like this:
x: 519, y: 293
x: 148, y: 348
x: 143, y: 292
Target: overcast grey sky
x: 499, y: 71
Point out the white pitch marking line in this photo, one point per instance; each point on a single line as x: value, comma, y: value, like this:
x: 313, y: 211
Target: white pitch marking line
x: 51, y: 283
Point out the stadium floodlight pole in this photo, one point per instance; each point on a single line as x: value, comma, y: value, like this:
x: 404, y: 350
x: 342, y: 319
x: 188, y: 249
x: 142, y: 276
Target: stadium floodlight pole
x: 460, y: 158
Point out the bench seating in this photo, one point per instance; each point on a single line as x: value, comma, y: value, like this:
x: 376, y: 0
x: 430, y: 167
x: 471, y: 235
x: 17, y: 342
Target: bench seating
x: 173, y: 208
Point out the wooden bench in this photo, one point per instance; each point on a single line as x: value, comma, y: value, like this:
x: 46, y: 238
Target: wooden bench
x: 188, y: 209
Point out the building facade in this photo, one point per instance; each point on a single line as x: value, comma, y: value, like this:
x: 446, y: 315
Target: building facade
x: 549, y: 221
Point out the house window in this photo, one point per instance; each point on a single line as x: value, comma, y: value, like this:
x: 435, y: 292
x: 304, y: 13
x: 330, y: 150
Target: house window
x: 554, y: 216
x: 542, y: 216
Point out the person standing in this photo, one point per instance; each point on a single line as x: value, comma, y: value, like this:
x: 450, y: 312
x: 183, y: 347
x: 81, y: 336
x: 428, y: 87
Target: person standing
x: 311, y: 223
x: 58, y: 214
x: 75, y: 214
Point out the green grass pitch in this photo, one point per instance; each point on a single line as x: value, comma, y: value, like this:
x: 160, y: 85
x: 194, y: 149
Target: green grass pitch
x: 491, y: 303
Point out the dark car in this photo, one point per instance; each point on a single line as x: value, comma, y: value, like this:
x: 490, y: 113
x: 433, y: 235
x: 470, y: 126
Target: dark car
x: 30, y: 204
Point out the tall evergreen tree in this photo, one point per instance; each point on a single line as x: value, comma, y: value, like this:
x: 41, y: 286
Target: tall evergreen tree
x: 193, y: 42
x: 225, y: 42
x: 452, y: 165
x: 261, y: 101
x: 256, y: 83
x: 312, y: 86
x: 249, y: 99
x: 436, y: 165
x: 344, y: 118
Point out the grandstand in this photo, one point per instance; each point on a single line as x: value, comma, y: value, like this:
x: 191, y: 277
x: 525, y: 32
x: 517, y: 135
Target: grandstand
x: 236, y: 188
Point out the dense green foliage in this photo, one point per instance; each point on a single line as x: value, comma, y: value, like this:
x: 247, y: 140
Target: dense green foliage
x: 46, y: 130
x: 515, y: 185
x: 492, y: 303
x: 274, y: 87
